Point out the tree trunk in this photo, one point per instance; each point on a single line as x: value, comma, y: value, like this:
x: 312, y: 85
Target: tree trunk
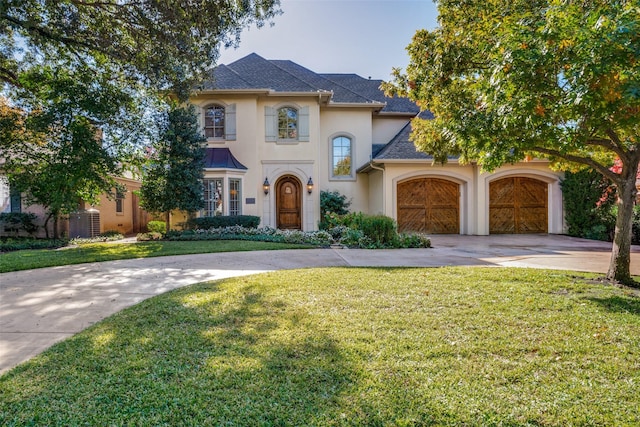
x: 167, y: 218
x: 55, y: 226
x: 46, y: 225
x: 619, y: 267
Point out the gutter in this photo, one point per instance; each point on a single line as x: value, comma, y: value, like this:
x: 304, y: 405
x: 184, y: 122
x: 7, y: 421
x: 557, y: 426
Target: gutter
x: 368, y: 167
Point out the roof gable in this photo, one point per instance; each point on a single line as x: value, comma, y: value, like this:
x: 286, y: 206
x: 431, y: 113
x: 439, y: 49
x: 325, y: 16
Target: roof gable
x: 401, y: 147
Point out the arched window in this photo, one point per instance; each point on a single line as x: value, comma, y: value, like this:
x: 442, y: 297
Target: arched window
x: 214, y: 121
x: 341, y: 160
x: 287, y: 123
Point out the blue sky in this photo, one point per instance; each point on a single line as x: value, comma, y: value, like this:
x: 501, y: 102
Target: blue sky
x: 366, y: 37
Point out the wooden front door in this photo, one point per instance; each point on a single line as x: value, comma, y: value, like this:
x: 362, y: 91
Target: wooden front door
x: 289, y: 203
x: 518, y: 205
x: 429, y: 205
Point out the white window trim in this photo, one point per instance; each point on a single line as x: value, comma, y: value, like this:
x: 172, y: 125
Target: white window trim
x: 225, y: 176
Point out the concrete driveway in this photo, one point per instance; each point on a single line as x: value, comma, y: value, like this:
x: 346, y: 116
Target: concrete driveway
x: 43, y: 306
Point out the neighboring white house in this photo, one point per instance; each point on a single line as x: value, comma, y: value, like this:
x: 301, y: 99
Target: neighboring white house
x: 278, y: 133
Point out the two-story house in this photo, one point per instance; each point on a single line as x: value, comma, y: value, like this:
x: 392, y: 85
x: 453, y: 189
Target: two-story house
x: 278, y: 133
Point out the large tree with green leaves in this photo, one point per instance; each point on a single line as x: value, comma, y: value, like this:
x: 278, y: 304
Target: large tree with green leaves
x: 172, y: 179
x: 76, y: 68
x: 551, y: 78
x: 166, y: 44
x: 59, y: 162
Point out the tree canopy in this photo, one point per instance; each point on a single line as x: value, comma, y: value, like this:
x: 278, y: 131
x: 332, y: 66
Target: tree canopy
x: 550, y: 78
x: 59, y: 160
x: 81, y: 76
x: 161, y: 44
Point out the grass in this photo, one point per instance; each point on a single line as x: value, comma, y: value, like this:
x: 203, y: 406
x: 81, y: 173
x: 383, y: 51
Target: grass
x: 376, y: 347
x: 97, y: 252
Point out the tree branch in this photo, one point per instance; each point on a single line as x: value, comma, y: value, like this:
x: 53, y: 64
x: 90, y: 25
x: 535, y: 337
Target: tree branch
x: 49, y: 35
x: 608, y: 144
x: 582, y: 160
x: 8, y: 76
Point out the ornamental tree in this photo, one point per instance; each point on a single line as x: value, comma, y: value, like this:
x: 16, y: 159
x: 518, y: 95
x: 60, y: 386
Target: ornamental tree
x: 558, y: 79
x: 173, y: 175
x: 59, y: 162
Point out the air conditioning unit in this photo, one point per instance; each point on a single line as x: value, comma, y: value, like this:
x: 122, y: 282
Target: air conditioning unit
x: 84, y: 223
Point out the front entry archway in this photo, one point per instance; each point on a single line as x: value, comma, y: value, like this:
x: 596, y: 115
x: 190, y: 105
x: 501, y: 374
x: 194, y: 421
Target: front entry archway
x: 289, y: 203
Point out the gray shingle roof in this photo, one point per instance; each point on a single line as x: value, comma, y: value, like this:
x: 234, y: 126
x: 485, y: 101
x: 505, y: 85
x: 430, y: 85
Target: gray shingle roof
x: 401, y: 148
x: 255, y: 72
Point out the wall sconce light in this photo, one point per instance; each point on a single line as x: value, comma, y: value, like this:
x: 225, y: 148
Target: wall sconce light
x: 266, y: 186
x: 309, y: 186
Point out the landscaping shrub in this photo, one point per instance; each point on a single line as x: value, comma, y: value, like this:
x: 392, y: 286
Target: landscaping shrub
x: 379, y: 228
x: 157, y: 227
x: 331, y: 202
x: 107, y: 236
x: 588, y: 204
x: 207, y: 222
x: 263, y: 234
x: 152, y: 235
x: 355, y: 230
x: 112, y: 234
x: 18, y: 244
x: 350, y: 220
x: 405, y: 240
x: 19, y: 221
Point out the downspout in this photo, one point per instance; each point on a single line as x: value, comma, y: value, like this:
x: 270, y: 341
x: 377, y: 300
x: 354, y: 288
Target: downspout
x: 384, y: 193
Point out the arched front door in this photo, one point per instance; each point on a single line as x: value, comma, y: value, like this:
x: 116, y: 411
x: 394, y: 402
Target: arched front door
x: 289, y: 203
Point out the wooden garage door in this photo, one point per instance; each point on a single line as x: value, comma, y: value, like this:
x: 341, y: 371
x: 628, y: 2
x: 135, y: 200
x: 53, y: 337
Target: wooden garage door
x: 518, y: 205
x: 429, y: 205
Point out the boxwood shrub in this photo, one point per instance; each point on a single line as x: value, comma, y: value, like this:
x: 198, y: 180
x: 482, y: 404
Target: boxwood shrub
x: 157, y: 227
x: 207, y: 222
x: 21, y: 243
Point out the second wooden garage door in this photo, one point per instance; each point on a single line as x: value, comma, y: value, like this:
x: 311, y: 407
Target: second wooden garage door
x: 518, y: 205
x: 429, y: 205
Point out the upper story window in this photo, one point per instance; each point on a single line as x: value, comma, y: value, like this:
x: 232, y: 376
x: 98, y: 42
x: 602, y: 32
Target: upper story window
x: 341, y: 157
x: 287, y: 123
x: 214, y: 122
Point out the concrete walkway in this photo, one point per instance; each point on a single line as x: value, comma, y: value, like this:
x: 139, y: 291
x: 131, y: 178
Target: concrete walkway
x: 43, y: 306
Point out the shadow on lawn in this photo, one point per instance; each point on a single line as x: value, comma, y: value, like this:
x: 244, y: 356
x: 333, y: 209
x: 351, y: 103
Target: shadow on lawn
x: 192, y: 357
x: 618, y: 304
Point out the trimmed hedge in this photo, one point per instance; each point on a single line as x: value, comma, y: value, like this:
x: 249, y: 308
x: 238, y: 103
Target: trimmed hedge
x: 207, y: 222
x: 18, y: 244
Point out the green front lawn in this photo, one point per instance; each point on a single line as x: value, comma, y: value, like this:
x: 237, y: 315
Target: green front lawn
x: 445, y: 346
x: 95, y: 252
